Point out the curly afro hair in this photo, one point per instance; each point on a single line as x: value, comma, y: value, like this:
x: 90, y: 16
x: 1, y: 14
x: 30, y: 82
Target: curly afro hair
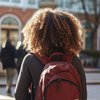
x: 50, y: 30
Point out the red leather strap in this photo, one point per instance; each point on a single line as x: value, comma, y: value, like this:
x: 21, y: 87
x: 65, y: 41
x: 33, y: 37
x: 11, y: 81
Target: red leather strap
x: 43, y: 59
x: 67, y: 58
x: 56, y: 53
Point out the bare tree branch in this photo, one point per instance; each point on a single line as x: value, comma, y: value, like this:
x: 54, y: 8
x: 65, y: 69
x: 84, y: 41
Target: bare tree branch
x: 86, y: 14
x: 95, y: 6
x: 97, y: 14
x: 96, y: 18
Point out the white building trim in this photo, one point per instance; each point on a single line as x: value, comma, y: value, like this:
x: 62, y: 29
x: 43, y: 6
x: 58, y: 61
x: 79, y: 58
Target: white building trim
x: 21, y: 4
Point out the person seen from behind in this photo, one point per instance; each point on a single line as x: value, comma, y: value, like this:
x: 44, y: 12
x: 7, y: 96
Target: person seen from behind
x: 21, y: 53
x: 8, y: 55
x: 47, y: 32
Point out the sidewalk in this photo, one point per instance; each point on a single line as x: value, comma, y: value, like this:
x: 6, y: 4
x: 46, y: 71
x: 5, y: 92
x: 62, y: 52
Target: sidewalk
x: 92, y: 78
x: 93, y: 83
x: 3, y: 97
x: 3, y: 81
x: 92, y: 70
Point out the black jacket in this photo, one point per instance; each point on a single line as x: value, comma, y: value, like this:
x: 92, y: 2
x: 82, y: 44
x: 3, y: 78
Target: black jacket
x: 8, y: 55
x: 21, y: 53
x: 30, y: 72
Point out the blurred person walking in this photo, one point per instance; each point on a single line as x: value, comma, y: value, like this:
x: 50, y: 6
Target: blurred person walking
x: 8, y: 55
x: 21, y: 53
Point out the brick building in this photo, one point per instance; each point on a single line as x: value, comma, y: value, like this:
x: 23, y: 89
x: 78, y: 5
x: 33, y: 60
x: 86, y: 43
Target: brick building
x: 14, y: 14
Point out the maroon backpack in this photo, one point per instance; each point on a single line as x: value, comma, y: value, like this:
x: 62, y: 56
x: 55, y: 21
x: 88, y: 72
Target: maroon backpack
x: 59, y: 80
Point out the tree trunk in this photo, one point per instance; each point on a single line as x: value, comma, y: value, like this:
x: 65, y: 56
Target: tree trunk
x: 93, y: 40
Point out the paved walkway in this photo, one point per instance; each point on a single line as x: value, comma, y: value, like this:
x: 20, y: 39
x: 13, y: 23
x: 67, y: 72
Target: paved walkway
x: 92, y: 70
x: 4, y: 97
x: 92, y: 78
x: 93, y: 83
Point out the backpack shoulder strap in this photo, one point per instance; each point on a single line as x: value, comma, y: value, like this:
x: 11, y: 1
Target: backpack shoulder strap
x: 43, y: 59
x: 67, y: 58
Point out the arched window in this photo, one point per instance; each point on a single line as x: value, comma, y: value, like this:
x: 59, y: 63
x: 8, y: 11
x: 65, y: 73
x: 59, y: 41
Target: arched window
x: 9, y: 21
x: 9, y: 28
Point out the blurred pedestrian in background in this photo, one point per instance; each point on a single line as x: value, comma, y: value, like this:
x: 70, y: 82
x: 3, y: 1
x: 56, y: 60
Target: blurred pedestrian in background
x: 21, y: 53
x: 8, y: 55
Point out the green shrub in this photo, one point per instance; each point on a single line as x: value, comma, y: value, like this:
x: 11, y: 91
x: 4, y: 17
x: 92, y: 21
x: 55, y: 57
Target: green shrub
x: 92, y: 53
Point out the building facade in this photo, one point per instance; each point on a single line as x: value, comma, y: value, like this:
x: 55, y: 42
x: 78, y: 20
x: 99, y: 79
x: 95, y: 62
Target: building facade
x: 14, y: 14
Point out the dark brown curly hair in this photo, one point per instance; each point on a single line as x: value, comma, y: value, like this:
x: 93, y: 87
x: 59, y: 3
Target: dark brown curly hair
x: 50, y: 30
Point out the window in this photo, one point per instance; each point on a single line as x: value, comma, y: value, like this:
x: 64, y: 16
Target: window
x: 80, y: 5
x: 16, y: 1
x: 87, y: 25
x: 5, y: 0
x: 31, y: 1
x: 59, y: 2
x: 68, y: 3
x: 90, y: 5
x: 88, y: 40
x: 9, y: 21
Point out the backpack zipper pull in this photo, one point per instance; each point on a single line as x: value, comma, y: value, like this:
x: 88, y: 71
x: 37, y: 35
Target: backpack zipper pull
x: 58, y: 85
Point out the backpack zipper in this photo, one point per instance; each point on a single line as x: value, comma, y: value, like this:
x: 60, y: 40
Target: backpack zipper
x: 58, y: 86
